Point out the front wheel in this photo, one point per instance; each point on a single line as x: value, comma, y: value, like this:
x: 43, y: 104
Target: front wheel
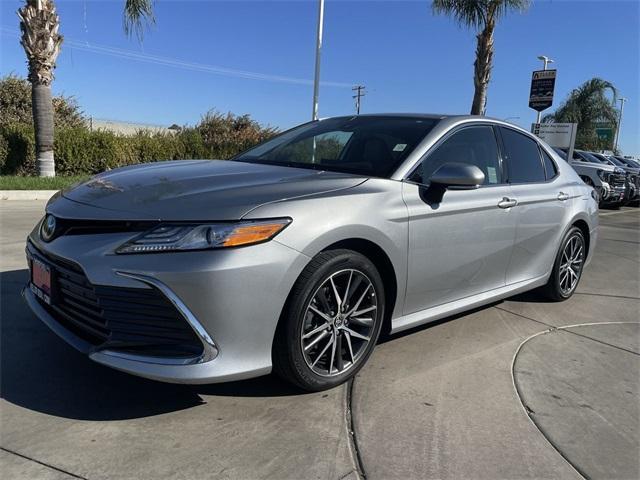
x: 332, y: 321
x: 567, y: 268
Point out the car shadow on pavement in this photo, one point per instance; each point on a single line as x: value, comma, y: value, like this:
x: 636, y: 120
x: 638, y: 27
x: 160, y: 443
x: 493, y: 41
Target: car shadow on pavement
x: 39, y: 371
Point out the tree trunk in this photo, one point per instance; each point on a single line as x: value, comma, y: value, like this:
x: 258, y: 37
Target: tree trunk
x: 482, y: 68
x: 42, y: 106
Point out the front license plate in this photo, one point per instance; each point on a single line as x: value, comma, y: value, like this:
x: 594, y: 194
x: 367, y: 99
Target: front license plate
x: 41, y: 280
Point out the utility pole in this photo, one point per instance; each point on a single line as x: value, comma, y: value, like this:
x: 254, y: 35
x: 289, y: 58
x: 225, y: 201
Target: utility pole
x: 316, y: 79
x: 359, y: 89
x: 615, y: 146
x: 546, y: 61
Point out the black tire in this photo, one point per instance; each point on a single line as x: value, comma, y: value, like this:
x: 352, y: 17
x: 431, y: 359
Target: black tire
x: 288, y: 357
x: 553, y: 289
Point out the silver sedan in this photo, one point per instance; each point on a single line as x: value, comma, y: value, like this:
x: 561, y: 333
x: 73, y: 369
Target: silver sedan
x: 295, y: 255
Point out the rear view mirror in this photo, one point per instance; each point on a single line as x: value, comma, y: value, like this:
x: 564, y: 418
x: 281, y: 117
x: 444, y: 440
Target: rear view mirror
x: 458, y: 175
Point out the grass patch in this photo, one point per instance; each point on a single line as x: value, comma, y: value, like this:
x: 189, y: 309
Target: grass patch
x: 15, y: 182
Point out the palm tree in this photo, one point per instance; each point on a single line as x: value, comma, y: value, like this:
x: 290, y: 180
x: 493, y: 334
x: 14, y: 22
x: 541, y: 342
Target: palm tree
x: 41, y: 40
x: 481, y: 15
x: 588, y: 105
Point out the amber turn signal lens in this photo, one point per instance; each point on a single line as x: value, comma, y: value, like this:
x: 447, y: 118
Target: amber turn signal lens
x: 248, y: 234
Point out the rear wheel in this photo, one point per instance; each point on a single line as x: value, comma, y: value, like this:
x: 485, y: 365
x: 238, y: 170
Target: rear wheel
x: 567, y: 269
x: 332, y: 321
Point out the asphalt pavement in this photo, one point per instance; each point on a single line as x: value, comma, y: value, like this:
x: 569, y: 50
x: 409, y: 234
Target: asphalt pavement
x: 518, y: 389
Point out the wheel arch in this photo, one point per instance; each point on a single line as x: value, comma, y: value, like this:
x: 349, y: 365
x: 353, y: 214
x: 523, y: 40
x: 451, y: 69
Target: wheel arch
x: 383, y: 263
x: 584, y: 228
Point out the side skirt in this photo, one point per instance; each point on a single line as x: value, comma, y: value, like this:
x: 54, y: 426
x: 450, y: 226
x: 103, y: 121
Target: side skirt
x: 436, y: 313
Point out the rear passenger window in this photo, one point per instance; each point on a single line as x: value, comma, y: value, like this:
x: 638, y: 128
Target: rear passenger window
x: 525, y: 164
x: 473, y: 145
x: 550, y: 168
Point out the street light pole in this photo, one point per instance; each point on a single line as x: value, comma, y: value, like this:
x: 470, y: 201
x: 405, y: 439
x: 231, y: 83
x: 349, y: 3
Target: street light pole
x: 615, y: 147
x: 546, y: 61
x: 316, y: 80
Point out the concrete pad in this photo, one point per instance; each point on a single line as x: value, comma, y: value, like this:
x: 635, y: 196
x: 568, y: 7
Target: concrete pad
x: 583, y: 394
x: 440, y: 403
x: 578, y: 309
x: 14, y: 466
x: 615, y: 269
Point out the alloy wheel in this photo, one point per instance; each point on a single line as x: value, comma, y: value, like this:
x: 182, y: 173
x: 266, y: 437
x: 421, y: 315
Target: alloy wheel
x: 571, y: 264
x: 339, y: 322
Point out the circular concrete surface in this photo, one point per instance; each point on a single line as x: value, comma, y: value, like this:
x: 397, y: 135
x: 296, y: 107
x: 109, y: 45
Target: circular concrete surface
x: 579, y: 385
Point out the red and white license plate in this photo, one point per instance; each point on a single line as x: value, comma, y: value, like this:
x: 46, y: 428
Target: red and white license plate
x: 41, y: 280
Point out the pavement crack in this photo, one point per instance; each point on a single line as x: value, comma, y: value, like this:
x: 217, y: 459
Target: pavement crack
x: 551, y: 327
x: 42, y: 463
x: 599, y: 341
x: 351, y: 430
x: 607, y: 295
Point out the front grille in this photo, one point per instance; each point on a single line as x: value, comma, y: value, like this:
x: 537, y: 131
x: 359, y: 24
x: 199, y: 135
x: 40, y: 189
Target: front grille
x: 134, y: 320
x: 617, y: 180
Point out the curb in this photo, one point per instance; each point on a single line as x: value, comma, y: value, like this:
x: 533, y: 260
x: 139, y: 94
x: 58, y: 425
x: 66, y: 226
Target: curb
x: 27, y: 194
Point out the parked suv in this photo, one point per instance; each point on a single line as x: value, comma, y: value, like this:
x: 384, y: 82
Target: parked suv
x: 608, y: 181
x: 633, y: 175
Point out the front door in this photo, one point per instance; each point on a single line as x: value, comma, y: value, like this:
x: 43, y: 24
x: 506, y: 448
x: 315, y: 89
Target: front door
x: 461, y: 245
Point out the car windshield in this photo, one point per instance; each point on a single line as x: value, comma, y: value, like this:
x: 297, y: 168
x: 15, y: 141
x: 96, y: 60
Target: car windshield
x: 617, y: 162
x: 366, y: 145
x: 560, y: 152
x: 591, y: 158
x: 629, y: 162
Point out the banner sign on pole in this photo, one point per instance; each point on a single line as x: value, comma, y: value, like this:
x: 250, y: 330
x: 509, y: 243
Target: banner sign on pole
x: 543, y: 83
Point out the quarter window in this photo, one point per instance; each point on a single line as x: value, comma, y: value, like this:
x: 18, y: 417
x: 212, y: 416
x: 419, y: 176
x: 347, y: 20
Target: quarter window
x: 473, y: 145
x: 550, y: 168
x: 525, y: 165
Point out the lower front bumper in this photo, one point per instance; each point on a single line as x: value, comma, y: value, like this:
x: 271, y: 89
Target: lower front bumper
x: 235, y: 298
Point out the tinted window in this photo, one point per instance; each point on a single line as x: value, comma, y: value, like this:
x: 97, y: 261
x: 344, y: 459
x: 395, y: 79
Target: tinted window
x: 368, y: 145
x: 522, y: 152
x: 550, y: 169
x: 474, y: 145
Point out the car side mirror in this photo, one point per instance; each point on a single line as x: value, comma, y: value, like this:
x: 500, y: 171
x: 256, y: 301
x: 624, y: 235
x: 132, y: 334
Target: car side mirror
x: 458, y: 176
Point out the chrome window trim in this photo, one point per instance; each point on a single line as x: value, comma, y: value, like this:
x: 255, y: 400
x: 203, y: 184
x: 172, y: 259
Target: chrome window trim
x: 440, y: 130
x: 210, y: 349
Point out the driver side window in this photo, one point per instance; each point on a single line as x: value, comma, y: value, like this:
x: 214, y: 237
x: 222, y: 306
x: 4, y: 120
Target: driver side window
x: 473, y: 145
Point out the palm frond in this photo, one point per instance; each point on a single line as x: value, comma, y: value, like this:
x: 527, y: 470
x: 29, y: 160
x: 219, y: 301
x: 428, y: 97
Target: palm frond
x: 137, y: 14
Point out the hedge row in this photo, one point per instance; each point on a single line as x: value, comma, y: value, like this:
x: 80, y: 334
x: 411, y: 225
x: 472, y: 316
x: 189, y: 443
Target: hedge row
x: 80, y: 151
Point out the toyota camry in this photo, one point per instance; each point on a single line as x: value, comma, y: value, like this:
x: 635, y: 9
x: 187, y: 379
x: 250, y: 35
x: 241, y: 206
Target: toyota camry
x: 295, y: 255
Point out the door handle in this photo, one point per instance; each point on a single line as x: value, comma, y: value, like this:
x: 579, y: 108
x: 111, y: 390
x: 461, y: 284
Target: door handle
x: 563, y: 196
x: 507, y: 202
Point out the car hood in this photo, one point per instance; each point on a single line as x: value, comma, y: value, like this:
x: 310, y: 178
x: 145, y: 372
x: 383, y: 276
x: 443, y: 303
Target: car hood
x: 595, y: 166
x: 192, y: 190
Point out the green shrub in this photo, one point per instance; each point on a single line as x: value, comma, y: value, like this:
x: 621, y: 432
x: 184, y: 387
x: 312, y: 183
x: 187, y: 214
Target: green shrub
x: 80, y: 151
x: 21, y: 150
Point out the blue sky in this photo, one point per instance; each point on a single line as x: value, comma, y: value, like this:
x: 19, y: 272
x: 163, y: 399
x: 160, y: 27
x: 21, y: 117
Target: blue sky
x: 409, y: 59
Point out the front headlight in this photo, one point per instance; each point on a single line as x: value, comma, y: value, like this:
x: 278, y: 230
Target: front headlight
x: 603, y: 175
x: 181, y: 237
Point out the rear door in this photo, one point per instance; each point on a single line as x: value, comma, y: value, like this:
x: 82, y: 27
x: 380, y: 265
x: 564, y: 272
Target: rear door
x: 461, y: 245
x: 543, y: 205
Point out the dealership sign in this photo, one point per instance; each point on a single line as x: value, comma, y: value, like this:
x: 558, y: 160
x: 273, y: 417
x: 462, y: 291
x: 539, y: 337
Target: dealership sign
x: 543, y: 83
x: 561, y: 135
x: 605, y: 132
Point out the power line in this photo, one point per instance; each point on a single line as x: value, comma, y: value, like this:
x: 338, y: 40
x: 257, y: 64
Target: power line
x: 359, y: 89
x: 177, y: 63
